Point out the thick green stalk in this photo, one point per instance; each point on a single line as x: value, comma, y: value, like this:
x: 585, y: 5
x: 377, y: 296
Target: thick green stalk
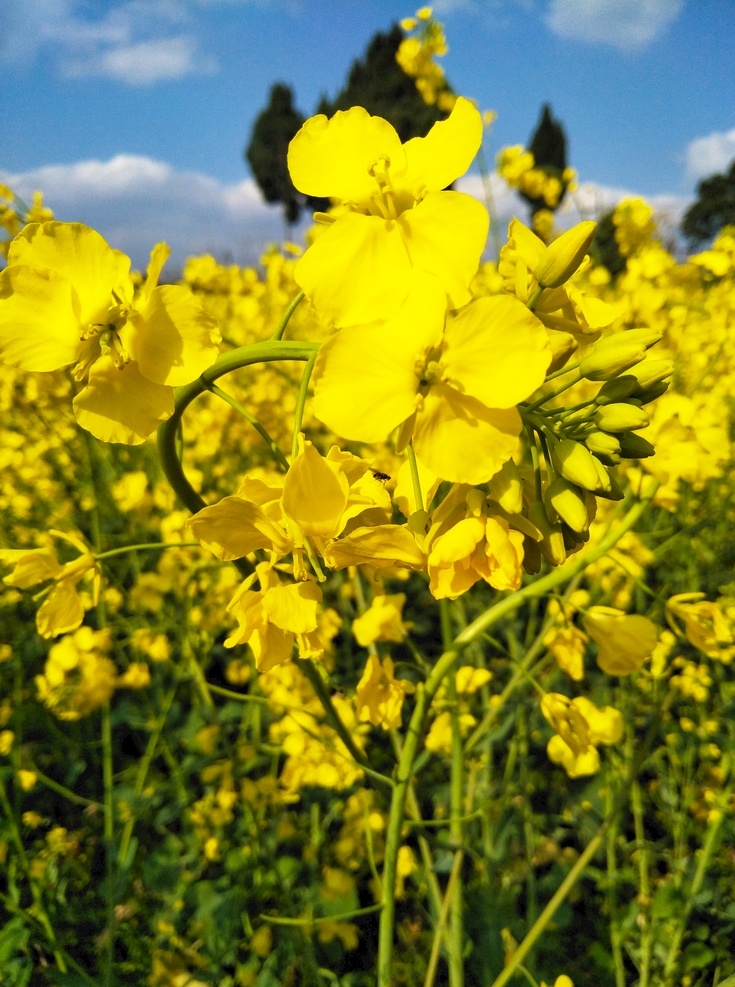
x: 271, y: 351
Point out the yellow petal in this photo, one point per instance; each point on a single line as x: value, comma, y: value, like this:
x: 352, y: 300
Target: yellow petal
x: 31, y: 568
x: 365, y: 381
x: 173, y: 339
x: 315, y: 493
x: 461, y: 440
x: 122, y: 405
x: 293, y: 607
x: 445, y: 235
x: 497, y: 351
x: 446, y: 152
x: 38, y: 326
x: 382, y: 546
x: 357, y: 271
x: 234, y: 528
x: 80, y: 255
x: 333, y: 158
x: 61, y: 611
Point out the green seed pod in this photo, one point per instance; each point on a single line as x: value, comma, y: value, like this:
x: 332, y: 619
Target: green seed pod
x: 565, y: 502
x: 616, y: 390
x: 634, y: 446
x: 606, y: 447
x: 621, y: 418
x: 575, y: 463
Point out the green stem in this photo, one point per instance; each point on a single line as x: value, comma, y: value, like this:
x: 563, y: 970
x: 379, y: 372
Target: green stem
x: 585, y: 857
x: 260, y: 429
x: 286, y: 317
x: 245, y: 356
x: 144, y: 546
x: 456, y: 940
x: 301, y: 403
x: 425, y: 693
x: 108, y: 831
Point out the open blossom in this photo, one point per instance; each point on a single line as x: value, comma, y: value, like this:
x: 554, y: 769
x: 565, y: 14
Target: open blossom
x: 452, y: 381
x: 65, y: 604
x: 396, y: 217
x: 66, y: 298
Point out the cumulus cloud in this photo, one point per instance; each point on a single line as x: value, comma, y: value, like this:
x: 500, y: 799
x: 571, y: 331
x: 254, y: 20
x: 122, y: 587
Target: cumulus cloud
x: 135, y: 202
x: 137, y: 42
x: 628, y: 25
x: 710, y: 154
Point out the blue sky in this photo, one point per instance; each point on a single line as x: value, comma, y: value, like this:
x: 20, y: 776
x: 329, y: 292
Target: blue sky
x: 131, y: 115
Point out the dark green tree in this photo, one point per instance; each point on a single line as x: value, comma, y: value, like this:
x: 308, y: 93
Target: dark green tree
x: 266, y: 153
x: 377, y: 82
x: 604, y: 249
x: 713, y: 208
x: 549, y: 148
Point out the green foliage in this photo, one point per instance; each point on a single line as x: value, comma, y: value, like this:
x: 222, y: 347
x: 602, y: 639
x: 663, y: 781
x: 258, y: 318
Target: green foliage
x: 272, y: 132
x: 713, y: 208
x: 378, y: 83
x: 548, y: 145
x: 605, y: 249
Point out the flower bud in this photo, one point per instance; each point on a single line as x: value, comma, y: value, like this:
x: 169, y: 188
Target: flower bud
x: 648, y: 394
x: 562, y: 257
x: 611, y: 489
x: 565, y: 502
x: 634, y: 446
x: 620, y: 418
x: 606, y: 446
x: 605, y: 362
x: 575, y: 463
x: 651, y: 372
x: 506, y: 488
x: 616, y: 390
x: 552, y: 540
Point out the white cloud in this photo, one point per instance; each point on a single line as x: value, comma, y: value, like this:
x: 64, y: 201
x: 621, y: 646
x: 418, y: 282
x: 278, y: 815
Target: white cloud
x: 710, y: 154
x: 144, y: 63
x: 135, y: 202
x: 137, y: 42
x: 629, y: 25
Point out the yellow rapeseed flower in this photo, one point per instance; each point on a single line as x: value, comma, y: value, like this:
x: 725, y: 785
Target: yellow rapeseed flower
x: 66, y: 297
x: 396, y: 214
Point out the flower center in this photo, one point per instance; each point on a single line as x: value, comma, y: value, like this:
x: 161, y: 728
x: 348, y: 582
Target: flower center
x: 104, y: 340
x: 430, y: 370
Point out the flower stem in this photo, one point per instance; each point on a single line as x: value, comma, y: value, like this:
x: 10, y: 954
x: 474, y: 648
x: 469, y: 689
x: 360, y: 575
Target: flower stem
x: 286, y: 317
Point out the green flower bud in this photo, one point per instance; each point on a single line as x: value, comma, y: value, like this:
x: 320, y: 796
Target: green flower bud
x: 649, y: 394
x: 552, y: 538
x: 606, y: 446
x: 612, y: 490
x: 575, y: 463
x: 565, y: 502
x: 605, y: 362
x: 634, y: 446
x: 506, y: 488
x: 614, y: 391
x: 652, y: 372
x: 562, y: 257
x: 620, y: 418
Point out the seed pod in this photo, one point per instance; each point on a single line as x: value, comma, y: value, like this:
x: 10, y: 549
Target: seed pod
x: 620, y: 417
x: 634, y: 446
